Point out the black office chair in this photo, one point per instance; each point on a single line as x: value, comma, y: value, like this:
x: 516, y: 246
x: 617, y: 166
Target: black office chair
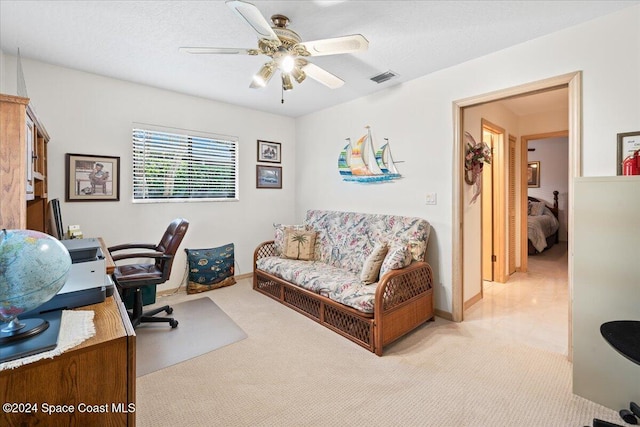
x: 133, y: 277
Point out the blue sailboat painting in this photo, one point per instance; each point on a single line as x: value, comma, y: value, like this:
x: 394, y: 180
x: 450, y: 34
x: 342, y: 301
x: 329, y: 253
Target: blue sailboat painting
x: 361, y: 163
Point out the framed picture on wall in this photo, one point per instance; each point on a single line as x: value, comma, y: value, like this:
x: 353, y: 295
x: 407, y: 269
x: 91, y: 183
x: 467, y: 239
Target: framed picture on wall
x: 268, y: 176
x: 628, y: 144
x: 269, y: 151
x: 92, y: 178
x: 533, y: 174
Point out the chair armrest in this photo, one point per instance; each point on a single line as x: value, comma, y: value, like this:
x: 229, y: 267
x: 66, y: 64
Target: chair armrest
x: 132, y: 246
x: 263, y: 250
x: 156, y: 255
x: 398, y: 286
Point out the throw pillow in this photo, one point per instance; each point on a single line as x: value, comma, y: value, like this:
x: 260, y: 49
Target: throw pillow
x: 278, y: 238
x: 418, y: 249
x: 371, y: 268
x: 537, y: 208
x: 397, y: 258
x: 210, y: 268
x: 299, y: 244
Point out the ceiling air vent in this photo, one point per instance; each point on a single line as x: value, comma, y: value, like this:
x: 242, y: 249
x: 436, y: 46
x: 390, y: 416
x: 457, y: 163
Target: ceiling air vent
x: 383, y: 77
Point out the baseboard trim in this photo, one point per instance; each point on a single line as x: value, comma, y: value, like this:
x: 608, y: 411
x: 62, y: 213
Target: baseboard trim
x: 165, y: 292
x: 474, y: 299
x: 444, y: 314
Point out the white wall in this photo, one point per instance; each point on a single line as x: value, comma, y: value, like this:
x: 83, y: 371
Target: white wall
x: 417, y: 117
x: 89, y: 114
x: 472, y: 123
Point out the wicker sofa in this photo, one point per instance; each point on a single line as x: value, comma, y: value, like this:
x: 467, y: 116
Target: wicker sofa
x: 329, y: 289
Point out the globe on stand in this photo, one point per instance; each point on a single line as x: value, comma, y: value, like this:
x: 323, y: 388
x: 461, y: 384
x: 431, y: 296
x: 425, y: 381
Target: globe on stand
x: 33, y: 268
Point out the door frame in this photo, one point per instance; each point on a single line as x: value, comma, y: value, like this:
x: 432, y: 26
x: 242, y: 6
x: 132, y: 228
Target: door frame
x: 574, y: 83
x: 498, y: 202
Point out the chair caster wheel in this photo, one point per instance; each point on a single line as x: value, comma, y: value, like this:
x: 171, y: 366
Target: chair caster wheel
x: 169, y: 310
x: 174, y: 324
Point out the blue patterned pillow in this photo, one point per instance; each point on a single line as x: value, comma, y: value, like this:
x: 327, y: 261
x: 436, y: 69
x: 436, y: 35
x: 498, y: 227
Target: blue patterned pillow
x: 210, y: 268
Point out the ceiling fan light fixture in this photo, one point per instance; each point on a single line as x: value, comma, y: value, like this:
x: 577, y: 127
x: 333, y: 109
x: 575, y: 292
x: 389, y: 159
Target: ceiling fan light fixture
x: 264, y: 75
x: 287, y: 64
x: 286, y: 82
x: 298, y: 75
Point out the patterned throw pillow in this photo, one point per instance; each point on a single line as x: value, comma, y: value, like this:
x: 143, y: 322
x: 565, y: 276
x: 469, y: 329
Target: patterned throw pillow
x: 537, y: 208
x: 371, y: 267
x: 278, y: 238
x: 299, y: 244
x: 418, y: 249
x: 397, y: 258
x: 210, y: 268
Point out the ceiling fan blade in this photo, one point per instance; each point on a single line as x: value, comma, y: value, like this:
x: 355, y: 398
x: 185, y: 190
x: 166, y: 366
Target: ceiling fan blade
x: 254, y: 18
x: 218, y: 50
x: 334, y: 46
x: 323, y: 76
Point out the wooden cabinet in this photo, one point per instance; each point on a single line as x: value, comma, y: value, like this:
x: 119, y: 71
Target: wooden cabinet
x: 96, y: 379
x: 23, y: 166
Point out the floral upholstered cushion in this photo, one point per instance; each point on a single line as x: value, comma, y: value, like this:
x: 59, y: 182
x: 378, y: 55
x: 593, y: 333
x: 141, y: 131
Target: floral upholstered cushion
x: 299, y: 244
x: 335, y: 283
x: 345, y: 239
x: 397, y: 258
x: 371, y: 268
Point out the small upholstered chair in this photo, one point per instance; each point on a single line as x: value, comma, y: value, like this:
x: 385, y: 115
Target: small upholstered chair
x: 133, y: 277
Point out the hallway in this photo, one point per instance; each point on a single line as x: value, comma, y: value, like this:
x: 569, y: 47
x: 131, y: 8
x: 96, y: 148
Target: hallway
x: 532, y: 307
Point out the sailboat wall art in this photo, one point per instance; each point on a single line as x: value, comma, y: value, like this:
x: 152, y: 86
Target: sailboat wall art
x: 362, y: 163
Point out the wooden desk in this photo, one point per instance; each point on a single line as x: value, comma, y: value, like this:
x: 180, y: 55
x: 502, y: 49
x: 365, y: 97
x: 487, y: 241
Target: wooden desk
x: 98, y: 374
x: 107, y: 257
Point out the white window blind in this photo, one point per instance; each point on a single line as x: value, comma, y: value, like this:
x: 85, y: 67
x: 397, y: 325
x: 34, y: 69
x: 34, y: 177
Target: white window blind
x: 169, y: 165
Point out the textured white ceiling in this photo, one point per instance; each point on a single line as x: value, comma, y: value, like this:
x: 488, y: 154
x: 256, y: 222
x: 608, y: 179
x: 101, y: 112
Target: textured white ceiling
x: 138, y: 41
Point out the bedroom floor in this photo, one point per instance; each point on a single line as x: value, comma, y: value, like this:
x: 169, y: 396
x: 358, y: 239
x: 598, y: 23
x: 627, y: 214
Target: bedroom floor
x: 531, y: 307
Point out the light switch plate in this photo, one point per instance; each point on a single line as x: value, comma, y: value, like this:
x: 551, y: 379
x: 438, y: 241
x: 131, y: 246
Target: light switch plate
x: 431, y: 198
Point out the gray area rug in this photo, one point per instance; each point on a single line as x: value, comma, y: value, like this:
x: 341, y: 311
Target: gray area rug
x: 202, y: 327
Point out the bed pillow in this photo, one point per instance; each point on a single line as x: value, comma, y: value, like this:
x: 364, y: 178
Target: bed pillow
x: 397, y: 258
x: 210, y: 268
x: 537, y: 208
x: 299, y: 244
x: 371, y: 268
x: 278, y: 238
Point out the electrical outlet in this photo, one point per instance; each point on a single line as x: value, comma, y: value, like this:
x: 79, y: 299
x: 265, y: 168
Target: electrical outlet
x: 431, y: 198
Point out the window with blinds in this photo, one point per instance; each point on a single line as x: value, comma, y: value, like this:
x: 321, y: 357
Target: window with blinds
x: 176, y: 165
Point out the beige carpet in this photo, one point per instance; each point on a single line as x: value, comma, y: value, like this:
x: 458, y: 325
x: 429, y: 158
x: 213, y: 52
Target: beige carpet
x: 202, y: 327
x: 291, y: 371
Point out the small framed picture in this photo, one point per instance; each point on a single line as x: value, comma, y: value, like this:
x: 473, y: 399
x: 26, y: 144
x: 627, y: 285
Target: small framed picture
x: 628, y: 144
x: 92, y: 178
x: 533, y: 174
x: 268, y: 151
x: 268, y: 176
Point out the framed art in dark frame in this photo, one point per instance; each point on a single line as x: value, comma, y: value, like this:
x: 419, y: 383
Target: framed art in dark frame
x: 533, y: 174
x: 268, y: 176
x: 269, y: 152
x: 92, y: 178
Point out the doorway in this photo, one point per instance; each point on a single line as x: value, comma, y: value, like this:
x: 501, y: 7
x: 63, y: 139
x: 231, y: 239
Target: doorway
x: 461, y: 263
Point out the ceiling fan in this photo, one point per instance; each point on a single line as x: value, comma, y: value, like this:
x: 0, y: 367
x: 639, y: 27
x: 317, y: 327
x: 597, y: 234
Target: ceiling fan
x: 285, y: 49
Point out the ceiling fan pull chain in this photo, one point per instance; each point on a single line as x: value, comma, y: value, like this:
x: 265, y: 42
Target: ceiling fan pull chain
x: 282, y: 94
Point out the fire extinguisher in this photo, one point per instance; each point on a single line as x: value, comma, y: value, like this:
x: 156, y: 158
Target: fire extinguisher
x: 631, y: 165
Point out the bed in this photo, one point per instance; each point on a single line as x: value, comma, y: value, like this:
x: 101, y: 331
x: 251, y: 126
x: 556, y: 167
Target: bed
x: 542, y: 224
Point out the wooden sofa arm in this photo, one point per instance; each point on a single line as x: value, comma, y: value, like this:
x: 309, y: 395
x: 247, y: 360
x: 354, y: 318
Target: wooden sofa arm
x: 264, y: 250
x: 398, y: 286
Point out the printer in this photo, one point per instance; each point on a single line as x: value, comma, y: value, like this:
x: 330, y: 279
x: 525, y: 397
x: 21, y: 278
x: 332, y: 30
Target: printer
x: 87, y: 281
